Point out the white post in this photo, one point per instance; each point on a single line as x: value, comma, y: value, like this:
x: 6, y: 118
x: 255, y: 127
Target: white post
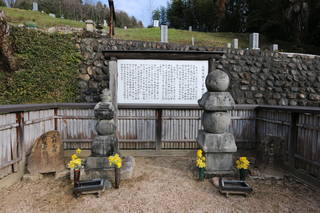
x: 190, y: 28
x: 34, y: 6
x: 274, y: 47
x: 192, y: 40
x: 254, y: 41
x: 164, y: 33
x: 235, y: 43
x: 228, y: 45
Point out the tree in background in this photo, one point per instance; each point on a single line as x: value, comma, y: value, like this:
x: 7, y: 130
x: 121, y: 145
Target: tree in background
x: 2, y: 3
x: 290, y: 20
x: 163, y: 16
x: 156, y: 14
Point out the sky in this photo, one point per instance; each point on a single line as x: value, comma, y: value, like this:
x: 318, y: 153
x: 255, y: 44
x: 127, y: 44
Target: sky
x: 141, y: 9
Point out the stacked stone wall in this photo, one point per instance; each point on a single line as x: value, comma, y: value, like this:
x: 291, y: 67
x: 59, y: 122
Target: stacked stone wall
x: 257, y: 77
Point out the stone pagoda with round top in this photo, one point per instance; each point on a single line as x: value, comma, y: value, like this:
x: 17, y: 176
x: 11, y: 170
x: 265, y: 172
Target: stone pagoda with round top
x: 217, y: 144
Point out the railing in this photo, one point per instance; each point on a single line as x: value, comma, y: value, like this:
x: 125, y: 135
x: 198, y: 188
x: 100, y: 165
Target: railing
x: 160, y: 128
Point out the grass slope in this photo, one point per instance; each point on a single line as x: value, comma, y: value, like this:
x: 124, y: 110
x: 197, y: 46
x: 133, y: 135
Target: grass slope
x: 183, y: 36
x: 18, y: 16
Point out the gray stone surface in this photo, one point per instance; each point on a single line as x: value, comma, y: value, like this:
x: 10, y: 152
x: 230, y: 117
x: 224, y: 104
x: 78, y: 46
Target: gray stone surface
x: 217, y: 81
x: 216, y: 101
x: 219, y: 163
x: 104, y: 111
x: 216, y: 122
x: 103, y: 145
x: 32, y: 177
x: 214, y: 143
x: 246, y: 68
x: 106, y: 127
x: 105, y: 171
x: 97, y: 163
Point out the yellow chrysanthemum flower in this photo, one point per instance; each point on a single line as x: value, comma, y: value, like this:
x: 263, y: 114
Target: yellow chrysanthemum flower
x: 71, y: 165
x: 116, y: 160
x: 199, y: 153
x: 78, y: 151
x: 74, y: 156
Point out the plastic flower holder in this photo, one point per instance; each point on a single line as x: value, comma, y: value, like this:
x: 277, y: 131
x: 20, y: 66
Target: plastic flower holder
x: 243, y: 174
x: 76, y: 178
x: 201, y: 174
x: 117, y: 177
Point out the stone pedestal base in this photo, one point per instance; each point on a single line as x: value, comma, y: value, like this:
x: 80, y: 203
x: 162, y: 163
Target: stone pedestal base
x: 98, y: 167
x: 219, y: 149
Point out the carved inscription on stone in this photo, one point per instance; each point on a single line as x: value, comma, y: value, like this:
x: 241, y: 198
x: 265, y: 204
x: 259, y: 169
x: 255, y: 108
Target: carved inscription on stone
x: 161, y: 81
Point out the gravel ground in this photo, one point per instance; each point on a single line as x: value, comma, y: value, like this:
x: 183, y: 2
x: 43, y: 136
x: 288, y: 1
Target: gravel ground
x: 159, y: 185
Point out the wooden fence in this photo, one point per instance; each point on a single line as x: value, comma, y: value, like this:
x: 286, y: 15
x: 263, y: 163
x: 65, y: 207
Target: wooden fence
x: 160, y: 128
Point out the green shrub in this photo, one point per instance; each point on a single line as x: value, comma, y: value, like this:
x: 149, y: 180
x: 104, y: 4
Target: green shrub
x: 48, y: 69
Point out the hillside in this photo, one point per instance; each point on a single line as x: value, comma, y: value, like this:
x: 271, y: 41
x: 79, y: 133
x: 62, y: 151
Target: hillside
x: 17, y: 16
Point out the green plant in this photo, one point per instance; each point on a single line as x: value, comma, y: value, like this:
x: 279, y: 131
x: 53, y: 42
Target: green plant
x: 48, y: 69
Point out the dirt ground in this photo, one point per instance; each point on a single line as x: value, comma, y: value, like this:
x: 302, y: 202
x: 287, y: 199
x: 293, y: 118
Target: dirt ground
x: 159, y: 185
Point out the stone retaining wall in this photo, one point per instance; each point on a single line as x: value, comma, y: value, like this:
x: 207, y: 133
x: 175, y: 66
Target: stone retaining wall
x: 257, y: 77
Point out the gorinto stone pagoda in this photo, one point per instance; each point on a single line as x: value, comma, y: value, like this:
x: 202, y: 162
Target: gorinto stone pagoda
x: 214, y: 140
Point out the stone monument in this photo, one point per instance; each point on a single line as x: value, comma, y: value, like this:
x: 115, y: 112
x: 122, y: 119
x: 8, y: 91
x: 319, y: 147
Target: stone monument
x: 89, y: 25
x: 164, y: 33
x: 105, y: 144
x: 217, y: 144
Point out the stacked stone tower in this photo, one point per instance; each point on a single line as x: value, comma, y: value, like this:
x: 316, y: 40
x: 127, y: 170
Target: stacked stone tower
x: 215, y: 141
x: 104, y: 144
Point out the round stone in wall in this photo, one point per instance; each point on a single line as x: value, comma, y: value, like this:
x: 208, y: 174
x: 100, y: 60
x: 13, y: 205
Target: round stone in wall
x: 216, y: 122
x: 106, y: 127
x: 217, y: 81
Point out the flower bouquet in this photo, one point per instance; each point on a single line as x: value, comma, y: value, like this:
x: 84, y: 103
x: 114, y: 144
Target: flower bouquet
x: 75, y: 163
x: 200, y: 163
x: 243, y: 164
x: 117, y: 161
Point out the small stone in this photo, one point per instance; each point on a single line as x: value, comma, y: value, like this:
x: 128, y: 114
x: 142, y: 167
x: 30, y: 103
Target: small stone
x: 84, y: 77
x: 302, y: 96
x: 62, y: 174
x: 314, y: 97
x: 253, y: 88
x: 272, y: 102
x: 245, y: 82
x: 258, y: 95
x: 250, y: 101
x: 32, y: 177
x: 283, y: 102
x: 292, y: 96
x: 293, y: 103
x: 89, y: 70
x: 276, y: 96
x: 270, y: 83
x: 244, y: 88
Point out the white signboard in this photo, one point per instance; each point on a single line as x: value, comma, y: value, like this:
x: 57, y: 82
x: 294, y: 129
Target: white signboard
x: 161, y: 81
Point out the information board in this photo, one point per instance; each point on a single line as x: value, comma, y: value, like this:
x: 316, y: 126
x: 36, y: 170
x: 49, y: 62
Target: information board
x: 161, y: 81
